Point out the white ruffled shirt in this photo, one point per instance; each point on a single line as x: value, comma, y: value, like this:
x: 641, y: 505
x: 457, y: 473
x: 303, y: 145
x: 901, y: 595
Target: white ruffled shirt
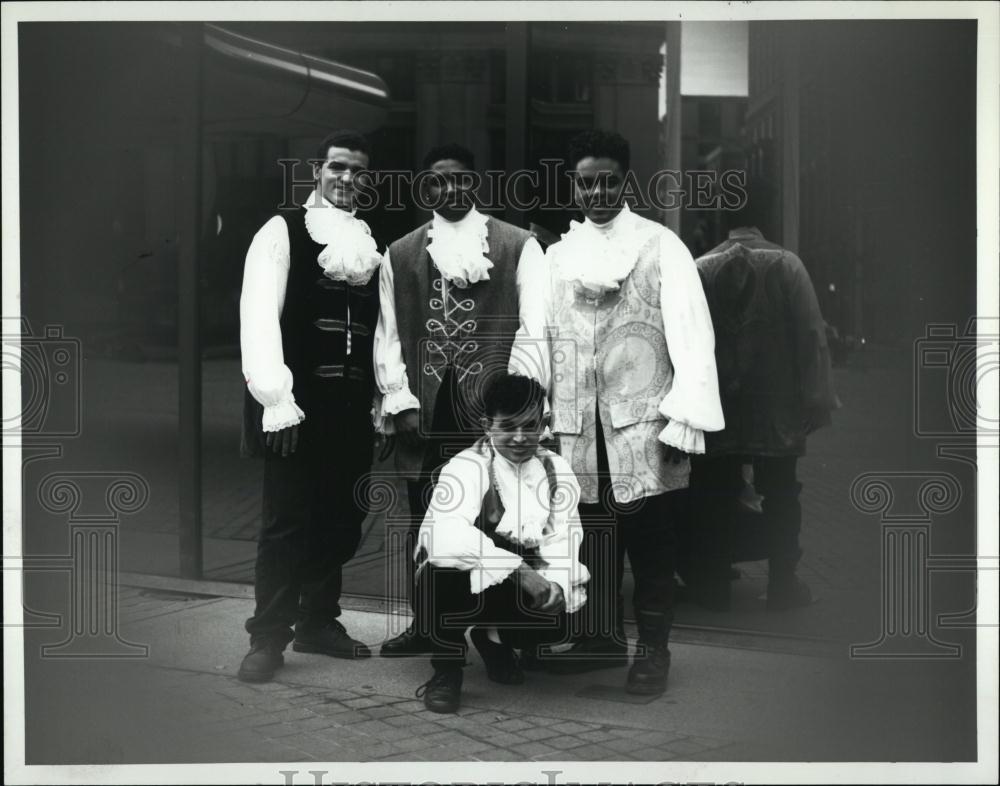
x: 350, y: 255
x: 451, y: 539
x: 459, y: 248
x: 459, y: 258
x: 596, y: 258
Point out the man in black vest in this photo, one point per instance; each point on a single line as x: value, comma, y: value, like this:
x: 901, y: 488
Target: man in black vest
x: 462, y: 300
x: 308, y: 314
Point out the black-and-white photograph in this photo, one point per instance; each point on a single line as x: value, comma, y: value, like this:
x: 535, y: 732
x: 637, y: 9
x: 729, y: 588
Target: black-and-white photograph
x: 514, y: 392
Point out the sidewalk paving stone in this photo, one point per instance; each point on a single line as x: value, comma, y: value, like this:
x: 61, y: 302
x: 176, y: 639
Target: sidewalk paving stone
x: 532, y: 750
x: 625, y: 745
x: 565, y: 742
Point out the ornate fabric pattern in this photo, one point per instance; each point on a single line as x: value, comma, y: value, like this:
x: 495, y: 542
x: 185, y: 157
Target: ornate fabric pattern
x: 620, y: 367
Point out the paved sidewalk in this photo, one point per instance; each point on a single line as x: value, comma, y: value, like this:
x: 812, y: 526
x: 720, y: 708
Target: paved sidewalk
x: 729, y: 700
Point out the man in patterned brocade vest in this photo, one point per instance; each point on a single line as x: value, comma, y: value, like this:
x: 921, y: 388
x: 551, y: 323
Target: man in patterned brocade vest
x: 308, y: 314
x: 457, y: 294
x: 629, y: 402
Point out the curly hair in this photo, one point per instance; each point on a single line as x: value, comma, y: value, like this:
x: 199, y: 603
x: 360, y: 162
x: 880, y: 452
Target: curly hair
x: 599, y: 144
x: 451, y: 150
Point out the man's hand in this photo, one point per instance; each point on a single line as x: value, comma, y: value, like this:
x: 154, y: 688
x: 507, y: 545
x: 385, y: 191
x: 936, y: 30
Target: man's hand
x: 675, y: 455
x: 555, y: 603
x: 284, y: 441
x: 407, y: 425
x: 533, y: 585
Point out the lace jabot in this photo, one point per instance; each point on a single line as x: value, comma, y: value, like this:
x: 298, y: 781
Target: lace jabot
x: 525, y: 493
x: 596, y: 258
x: 459, y: 248
x: 350, y: 252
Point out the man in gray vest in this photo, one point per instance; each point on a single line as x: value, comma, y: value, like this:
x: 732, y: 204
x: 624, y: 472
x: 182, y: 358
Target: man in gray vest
x: 456, y: 294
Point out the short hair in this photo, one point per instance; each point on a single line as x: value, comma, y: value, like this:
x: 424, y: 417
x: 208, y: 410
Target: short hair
x: 345, y: 137
x: 451, y: 150
x: 512, y: 394
x: 599, y: 144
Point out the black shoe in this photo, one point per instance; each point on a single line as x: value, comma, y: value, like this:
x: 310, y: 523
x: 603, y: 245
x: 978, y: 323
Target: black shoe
x: 261, y: 662
x: 406, y: 644
x: 786, y: 594
x: 588, y: 655
x: 648, y: 673
x: 330, y: 639
x: 502, y: 664
x: 443, y: 691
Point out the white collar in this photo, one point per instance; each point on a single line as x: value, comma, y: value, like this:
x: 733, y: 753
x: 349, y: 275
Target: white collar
x: 350, y: 252
x: 471, y: 221
x: 524, y: 492
x: 620, y: 221
x: 596, y: 258
x: 459, y: 248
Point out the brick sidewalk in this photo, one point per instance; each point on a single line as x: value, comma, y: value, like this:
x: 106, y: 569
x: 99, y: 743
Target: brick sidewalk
x: 284, y: 721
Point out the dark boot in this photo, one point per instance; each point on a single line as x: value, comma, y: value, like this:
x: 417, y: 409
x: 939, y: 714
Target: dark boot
x: 261, y: 662
x: 502, y: 663
x: 330, y: 639
x: 408, y: 643
x: 648, y: 674
x: 442, y: 692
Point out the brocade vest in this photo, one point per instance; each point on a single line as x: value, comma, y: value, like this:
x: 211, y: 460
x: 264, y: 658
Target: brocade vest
x: 610, y: 357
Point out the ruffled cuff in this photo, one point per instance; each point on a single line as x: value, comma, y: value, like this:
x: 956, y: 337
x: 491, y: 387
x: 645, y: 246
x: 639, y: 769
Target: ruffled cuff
x: 500, y: 568
x: 282, y: 415
x: 575, y: 595
x: 396, y: 401
x: 683, y: 437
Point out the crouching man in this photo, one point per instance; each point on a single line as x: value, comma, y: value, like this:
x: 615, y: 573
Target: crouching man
x: 498, y: 550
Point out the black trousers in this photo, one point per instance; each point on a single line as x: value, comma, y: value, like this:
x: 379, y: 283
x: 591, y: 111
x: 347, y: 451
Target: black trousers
x: 314, y: 503
x: 448, y: 608
x: 716, y: 483
x: 450, y: 433
x: 644, y: 530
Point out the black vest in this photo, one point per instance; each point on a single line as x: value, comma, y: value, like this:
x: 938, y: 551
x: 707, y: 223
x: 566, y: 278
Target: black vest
x: 315, y: 319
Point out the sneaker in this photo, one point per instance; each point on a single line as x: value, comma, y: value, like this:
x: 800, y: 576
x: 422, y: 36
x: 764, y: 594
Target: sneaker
x: 330, y: 639
x: 406, y: 644
x: 502, y: 663
x: 442, y: 692
x: 261, y: 662
x: 792, y: 593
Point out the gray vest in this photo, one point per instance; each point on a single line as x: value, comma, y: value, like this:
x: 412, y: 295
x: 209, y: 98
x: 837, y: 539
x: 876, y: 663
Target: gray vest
x: 441, y: 327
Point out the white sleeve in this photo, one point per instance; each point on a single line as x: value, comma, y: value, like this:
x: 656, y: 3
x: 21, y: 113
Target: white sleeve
x: 448, y: 533
x: 529, y: 355
x: 390, y: 370
x: 265, y: 278
x: 561, y: 549
x: 692, y: 405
